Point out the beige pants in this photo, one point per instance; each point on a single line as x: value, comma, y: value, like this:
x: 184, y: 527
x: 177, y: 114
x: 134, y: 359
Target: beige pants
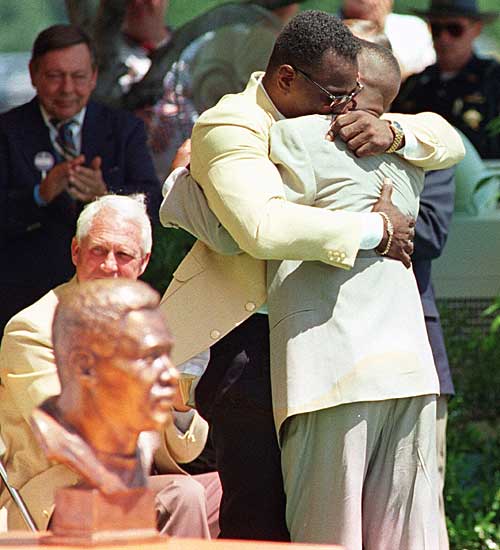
x: 442, y: 418
x: 187, y: 506
x: 364, y: 475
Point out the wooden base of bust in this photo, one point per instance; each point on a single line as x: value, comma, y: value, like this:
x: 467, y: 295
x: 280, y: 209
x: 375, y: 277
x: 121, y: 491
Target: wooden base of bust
x: 87, y: 517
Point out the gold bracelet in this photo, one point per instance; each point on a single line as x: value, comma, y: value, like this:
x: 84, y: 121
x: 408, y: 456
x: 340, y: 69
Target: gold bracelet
x: 390, y: 233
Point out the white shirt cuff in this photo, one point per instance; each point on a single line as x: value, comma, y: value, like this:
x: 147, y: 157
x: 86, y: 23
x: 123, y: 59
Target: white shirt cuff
x: 372, y: 230
x: 37, y: 197
x: 196, y: 365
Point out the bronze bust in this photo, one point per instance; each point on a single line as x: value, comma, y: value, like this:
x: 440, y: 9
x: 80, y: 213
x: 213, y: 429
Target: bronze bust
x: 112, y: 351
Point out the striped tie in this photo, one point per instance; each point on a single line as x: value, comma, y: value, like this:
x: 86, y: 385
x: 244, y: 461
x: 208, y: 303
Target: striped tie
x: 65, y: 139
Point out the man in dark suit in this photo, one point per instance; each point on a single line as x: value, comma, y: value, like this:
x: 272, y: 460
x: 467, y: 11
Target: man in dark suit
x: 431, y: 232
x: 58, y: 152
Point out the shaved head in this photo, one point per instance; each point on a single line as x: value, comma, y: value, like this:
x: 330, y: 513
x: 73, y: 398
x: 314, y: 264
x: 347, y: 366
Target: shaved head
x: 380, y: 74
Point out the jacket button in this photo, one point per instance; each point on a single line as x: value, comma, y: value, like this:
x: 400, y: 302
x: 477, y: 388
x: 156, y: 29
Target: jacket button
x: 333, y: 255
x: 250, y: 306
x: 215, y: 334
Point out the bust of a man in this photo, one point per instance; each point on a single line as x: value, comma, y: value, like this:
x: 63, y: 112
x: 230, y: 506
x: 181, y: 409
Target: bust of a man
x: 112, y: 350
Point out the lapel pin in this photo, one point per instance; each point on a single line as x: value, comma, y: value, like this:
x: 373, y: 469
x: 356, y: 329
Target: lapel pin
x: 44, y: 161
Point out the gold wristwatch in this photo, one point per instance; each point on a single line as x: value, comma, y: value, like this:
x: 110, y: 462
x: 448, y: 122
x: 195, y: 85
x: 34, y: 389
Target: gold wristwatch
x: 399, y: 136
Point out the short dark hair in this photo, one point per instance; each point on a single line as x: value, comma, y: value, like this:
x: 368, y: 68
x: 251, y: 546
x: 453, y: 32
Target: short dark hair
x: 308, y: 36
x: 58, y: 37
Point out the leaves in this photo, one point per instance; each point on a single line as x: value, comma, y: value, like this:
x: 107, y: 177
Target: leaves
x: 493, y: 126
x: 472, y: 491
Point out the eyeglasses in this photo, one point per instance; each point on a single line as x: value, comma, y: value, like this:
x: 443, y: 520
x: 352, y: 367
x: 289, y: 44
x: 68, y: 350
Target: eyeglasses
x: 335, y: 100
x: 453, y: 29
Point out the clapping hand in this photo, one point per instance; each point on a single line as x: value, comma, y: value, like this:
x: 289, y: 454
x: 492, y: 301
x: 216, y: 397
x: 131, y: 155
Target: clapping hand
x: 85, y: 182
x: 58, y: 179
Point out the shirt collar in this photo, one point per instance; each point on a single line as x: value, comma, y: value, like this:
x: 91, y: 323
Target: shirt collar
x: 78, y: 118
x: 277, y: 115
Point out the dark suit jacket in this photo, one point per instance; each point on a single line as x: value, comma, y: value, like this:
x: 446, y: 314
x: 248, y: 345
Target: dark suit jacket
x: 35, y: 241
x: 436, y: 209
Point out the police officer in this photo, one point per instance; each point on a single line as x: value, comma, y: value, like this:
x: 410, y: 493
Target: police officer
x: 461, y: 86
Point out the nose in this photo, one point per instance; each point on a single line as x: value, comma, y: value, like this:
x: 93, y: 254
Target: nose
x: 443, y: 37
x: 109, y: 264
x: 67, y: 84
x: 168, y: 375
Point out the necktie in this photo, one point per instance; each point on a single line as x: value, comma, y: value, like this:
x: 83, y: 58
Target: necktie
x: 65, y: 139
x: 66, y: 148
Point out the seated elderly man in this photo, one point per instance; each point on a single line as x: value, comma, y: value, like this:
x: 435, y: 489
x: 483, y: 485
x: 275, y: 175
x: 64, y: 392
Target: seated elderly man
x: 113, y: 239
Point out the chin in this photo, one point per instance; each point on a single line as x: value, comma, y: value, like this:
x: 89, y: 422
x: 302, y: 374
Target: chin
x: 63, y: 113
x: 161, y: 416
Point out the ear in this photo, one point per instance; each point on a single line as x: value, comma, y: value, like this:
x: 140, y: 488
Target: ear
x: 93, y: 80
x: 75, y: 250
x: 285, y: 77
x: 144, y: 263
x: 83, y: 365
x: 478, y: 28
x: 32, y: 69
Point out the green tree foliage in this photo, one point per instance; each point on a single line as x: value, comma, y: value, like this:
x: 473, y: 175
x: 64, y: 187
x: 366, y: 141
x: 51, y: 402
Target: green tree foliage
x: 169, y: 248
x: 22, y: 21
x: 472, y: 492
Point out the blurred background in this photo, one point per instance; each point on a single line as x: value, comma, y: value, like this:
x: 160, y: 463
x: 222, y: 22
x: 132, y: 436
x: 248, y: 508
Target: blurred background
x: 22, y: 21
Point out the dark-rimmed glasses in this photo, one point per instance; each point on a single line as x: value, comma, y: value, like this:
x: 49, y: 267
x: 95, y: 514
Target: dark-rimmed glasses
x: 456, y: 30
x: 335, y: 100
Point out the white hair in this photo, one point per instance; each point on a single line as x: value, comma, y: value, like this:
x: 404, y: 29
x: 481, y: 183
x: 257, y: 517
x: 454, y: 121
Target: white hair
x: 129, y: 207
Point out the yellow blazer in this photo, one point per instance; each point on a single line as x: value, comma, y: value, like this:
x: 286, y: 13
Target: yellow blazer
x: 28, y: 376
x: 210, y: 294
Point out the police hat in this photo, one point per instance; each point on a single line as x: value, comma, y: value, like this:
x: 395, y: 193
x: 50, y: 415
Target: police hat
x: 456, y: 8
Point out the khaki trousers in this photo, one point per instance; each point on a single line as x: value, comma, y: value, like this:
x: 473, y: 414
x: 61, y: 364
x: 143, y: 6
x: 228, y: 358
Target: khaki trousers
x: 441, y: 420
x: 364, y: 475
x: 187, y: 506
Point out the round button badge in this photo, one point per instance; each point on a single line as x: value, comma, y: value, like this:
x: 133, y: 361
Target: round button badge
x: 44, y: 161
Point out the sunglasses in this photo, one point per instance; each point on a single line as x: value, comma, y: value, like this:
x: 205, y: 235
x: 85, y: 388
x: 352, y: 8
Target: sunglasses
x: 453, y: 29
x: 336, y: 101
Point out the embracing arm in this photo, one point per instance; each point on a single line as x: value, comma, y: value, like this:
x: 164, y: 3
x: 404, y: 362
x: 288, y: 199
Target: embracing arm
x: 185, y: 205
x: 245, y: 192
x: 439, y: 144
x: 430, y: 142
